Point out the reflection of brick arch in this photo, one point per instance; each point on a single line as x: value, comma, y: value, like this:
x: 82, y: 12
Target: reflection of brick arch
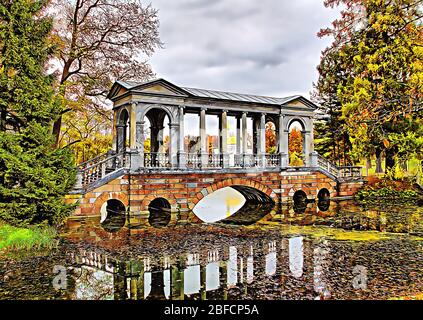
x: 309, y: 191
x: 328, y: 186
x: 235, y: 182
x: 153, y: 195
x: 105, y: 196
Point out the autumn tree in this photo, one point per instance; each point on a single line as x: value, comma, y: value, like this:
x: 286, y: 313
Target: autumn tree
x: 34, y: 176
x: 87, y: 134
x: 101, y: 41
x: 379, y: 44
x: 295, y: 147
x: 270, y: 134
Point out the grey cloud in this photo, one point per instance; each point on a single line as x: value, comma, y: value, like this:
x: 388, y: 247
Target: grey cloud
x: 265, y: 47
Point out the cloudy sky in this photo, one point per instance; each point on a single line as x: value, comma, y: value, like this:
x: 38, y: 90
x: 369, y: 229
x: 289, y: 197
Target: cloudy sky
x: 266, y: 47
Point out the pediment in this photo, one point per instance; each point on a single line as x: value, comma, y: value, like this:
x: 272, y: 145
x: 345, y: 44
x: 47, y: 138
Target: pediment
x: 301, y: 102
x: 160, y: 87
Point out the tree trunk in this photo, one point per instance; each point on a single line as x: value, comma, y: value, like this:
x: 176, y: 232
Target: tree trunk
x: 368, y: 165
x: 56, y: 131
x: 404, y: 165
x: 3, y: 120
x: 379, y: 161
x: 389, y: 160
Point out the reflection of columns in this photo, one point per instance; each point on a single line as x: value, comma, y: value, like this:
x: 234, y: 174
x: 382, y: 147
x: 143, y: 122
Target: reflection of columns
x: 203, y: 291
x: 181, y: 140
x: 203, y: 139
x: 223, y: 280
x: 173, y: 144
x: 283, y: 142
x: 132, y: 126
x: 177, y: 281
x: 296, y: 256
x: 223, y: 124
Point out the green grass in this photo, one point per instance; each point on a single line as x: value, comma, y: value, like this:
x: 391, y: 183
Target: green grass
x: 14, y: 239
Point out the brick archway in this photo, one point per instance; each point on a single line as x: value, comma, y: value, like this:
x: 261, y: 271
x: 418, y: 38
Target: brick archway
x: 153, y: 195
x: 234, y: 182
x: 105, y: 196
x: 328, y: 186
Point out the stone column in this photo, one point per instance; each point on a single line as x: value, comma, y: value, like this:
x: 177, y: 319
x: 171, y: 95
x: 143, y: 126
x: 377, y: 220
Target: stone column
x: 244, y: 137
x: 173, y: 144
x: 182, y: 156
x: 140, y: 143
x: 307, y: 148
x: 160, y: 143
x: 261, y: 150
x: 114, y: 131
x: 132, y: 126
x: 224, y: 138
x: 283, y: 143
x: 238, y: 135
x: 203, y: 139
x: 121, y: 137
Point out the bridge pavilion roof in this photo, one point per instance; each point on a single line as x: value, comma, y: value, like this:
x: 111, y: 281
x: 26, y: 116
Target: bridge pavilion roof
x: 120, y: 88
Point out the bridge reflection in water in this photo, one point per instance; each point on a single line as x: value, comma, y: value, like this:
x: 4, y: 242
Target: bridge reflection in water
x: 223, y: 263
x: 224, y: 273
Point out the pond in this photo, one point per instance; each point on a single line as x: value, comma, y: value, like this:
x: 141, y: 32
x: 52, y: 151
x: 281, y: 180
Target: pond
x: 324, y: 250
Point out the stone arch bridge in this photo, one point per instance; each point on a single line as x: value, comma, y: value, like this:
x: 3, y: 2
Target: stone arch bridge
x: 163, y: 148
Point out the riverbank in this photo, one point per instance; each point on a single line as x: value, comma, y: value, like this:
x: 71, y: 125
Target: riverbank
x: 387, y: 190
x: 18, y: 241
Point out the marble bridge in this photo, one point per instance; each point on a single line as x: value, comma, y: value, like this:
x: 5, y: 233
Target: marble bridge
x: 173, y: 146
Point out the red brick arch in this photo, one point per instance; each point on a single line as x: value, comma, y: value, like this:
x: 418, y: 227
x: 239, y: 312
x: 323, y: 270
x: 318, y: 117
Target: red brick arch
x: 234, y: 182
x: 328, y: 186
x: 105, y: 196
x: 153, y: 195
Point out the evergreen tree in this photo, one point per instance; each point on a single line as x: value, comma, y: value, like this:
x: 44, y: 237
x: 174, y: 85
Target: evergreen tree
x: 34, y: 176
x: 376, y: 62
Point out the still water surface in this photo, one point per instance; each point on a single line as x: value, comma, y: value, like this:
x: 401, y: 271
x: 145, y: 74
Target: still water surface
x: 322, y: 250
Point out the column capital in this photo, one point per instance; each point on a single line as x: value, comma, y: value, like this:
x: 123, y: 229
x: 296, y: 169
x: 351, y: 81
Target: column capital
x: 225, y: 111
x: 244, y: 112
x: 181, y: 107
x: 203, y: 108
x: 140, y: 122
x: 173, y: 125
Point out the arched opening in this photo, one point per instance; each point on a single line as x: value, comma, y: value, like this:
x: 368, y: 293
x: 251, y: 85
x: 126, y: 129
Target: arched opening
x: 160, y: 213
x: 237, y: 204
x: 323, y: 199
x: 300, y: 201
x: 122, y: 135
x: 156, y: 138
x: 113, y: 216
x: 296, y: 143
x: 271, y: 138
x: 323, y: 194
